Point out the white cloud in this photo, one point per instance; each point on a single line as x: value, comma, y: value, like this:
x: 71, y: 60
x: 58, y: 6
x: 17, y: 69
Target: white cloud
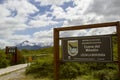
x: 4, y: 43
x: 10, y: 23
x: 88, y: 32
x: 23, y: 7
x: 101, y: 31
x: 82, y: 12
x: 41, y: 34
x: 105, y: 7
x: 82, y: 5
x: 92, y: 11
x: 72, y: 13
x: 3, y: 12
x: 19, y: 38
x: 52, y: 2
x: 73, y: 33
x: 77, y: 16
x: 58, y: 12
x: 68, y: 14
x: 12, y: 40
x: 17, y: 22
x: 42, y: 21
x: 45, y: 37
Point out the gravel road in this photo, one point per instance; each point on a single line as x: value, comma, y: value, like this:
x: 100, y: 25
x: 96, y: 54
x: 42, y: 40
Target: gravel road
x: 16, y: 75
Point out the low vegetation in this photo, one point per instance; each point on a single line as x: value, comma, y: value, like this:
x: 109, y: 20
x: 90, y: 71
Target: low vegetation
x: 43, y: 68
x: 3, y: 61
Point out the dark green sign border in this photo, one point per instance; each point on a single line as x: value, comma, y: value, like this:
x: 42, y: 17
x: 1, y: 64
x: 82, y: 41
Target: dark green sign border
x: 88, y: 49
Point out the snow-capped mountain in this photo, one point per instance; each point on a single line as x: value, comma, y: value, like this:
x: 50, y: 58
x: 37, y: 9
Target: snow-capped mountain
x: 25, y: 43
x: 31, y: 46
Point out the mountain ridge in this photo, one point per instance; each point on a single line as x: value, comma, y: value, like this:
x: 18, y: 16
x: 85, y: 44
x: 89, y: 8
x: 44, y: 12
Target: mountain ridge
x: 31, y: 46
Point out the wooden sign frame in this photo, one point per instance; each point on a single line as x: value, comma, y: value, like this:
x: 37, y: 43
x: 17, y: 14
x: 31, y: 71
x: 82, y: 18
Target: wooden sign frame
x: 57, y: 38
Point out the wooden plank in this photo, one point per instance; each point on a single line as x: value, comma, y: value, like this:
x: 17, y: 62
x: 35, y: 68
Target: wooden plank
x: 109, y: 24
x: 56, y: 55
x: 118, y: 35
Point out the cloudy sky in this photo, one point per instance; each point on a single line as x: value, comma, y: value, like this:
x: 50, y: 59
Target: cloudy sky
x: 34, y: 20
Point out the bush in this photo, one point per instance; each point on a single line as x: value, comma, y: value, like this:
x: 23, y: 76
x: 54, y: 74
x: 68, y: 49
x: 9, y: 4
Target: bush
x: 20, y: 58
x: 68, y: 71
x: 44, y: 68
x: 3, y: 61
x: 106, y: 74
x: 41, y: 68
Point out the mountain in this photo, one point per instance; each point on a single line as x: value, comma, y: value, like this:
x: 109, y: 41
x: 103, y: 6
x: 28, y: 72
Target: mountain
x: 30, y: 46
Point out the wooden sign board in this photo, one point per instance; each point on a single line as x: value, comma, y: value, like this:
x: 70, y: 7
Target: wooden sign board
x: 11, y: 50
x: 87, y: 49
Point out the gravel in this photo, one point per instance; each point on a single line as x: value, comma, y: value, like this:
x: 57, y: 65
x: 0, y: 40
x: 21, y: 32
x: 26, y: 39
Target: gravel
x: 16, y: 75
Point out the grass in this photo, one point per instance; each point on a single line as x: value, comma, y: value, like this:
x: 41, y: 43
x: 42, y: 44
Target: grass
x: 30, y: 77
x: 85, y: 77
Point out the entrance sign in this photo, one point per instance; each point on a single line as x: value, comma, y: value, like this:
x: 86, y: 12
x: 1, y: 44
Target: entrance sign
x: 90, y: 49
x: 12, y: 50
x: 74, y: 48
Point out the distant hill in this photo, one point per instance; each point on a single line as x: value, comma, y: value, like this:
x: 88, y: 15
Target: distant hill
x: 31, y: 46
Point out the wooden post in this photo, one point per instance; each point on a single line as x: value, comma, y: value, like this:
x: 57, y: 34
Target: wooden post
x: 6, y: 50
x: 118, y: 36
x: 56, y: 54
x: 16, y: 60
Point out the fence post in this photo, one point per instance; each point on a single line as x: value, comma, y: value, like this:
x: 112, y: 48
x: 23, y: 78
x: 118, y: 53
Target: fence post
x: 56, y: 54
x: 118, y: 36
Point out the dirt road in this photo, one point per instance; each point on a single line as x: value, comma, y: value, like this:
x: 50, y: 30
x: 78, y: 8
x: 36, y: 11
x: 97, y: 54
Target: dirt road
x: 16, y: 75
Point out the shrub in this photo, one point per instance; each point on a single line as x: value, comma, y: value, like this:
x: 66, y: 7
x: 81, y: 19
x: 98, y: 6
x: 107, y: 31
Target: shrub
x: 3, y: 61
x: 44, y: 68
x: 106, y: 74
x: 68, y: 71
x: 41, y: 68
x: 20, y: 58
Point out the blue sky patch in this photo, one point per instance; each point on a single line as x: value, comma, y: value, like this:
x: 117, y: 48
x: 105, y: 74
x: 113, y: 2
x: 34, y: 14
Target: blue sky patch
x: 13, y: 13
x: 67, y: 4
x: 2, y: 1
x: 28, y: 31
